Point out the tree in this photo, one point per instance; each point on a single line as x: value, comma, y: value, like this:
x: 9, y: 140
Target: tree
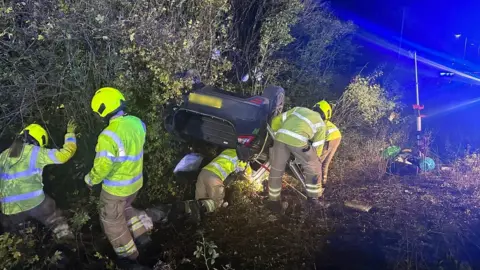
x: 55, y: 54
x: 322, y: 48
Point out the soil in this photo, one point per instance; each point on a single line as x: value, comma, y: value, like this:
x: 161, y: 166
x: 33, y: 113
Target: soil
x: 415, y: 223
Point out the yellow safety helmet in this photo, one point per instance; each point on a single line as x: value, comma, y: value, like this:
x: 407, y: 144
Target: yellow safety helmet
x: 325, y: 107
x: 37, y: 132
x: 107, y: 100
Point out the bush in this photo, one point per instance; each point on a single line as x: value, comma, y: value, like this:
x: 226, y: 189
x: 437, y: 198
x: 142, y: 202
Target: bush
x: 11, y: 255
x: 58, y: 53
x: 361, y: 114
x: 363, y: 103
x: 359, y: 158
x: 55, y: 54
x: 464, y: 172
x: 309, y: 67
x: 24, y: 250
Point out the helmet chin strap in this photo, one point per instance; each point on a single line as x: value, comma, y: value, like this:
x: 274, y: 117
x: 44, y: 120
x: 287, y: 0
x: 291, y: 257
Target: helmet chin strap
x: 107, y: 119
x: 118, y: 114
x: 317, y: 109
x: 27, y: 138
x: 30, y: 140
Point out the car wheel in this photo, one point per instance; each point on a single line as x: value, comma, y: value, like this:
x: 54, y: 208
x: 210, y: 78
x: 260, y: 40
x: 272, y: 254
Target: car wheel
x: 168, y: 123
x: 276, y: 96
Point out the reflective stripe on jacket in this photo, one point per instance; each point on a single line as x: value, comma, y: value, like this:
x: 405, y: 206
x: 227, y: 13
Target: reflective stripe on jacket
x: 332, y: 131
x: 21, y: 177
x: 298, y: 126
x: 119, y: 157
x: 226, y: 163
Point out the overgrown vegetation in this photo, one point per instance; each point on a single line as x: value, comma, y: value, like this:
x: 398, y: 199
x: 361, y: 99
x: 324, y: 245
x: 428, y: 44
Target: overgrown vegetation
x: 361, y: 112
x: 55, y: 54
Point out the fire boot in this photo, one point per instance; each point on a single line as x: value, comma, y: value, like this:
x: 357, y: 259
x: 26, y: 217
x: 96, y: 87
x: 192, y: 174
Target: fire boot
x: 195, y: 210
x: 277, y: 207
x: 192, y: 210
x: 314, y: 204
x: 142, y: 242
x: 159, y: 213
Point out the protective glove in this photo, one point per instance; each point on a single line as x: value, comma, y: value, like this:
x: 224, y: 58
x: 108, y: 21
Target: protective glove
x: 146, y: 221
x: 71, y: 126
x: 244, y: 176
x: 88, y: 181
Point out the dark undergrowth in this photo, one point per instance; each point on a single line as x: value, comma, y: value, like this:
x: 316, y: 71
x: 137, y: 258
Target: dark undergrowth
x: 415, y: 223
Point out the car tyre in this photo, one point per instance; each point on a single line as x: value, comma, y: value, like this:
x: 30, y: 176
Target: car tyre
x: 168, y: 123
x: 276, y: 96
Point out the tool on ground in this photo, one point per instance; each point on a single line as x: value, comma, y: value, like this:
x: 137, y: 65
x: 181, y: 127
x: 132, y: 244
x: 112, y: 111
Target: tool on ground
x: 358, y: 205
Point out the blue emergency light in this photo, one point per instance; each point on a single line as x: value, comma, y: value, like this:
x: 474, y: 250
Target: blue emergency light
x: 446, y: 74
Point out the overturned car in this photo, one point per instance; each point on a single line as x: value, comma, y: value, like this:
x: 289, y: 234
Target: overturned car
x: 227, y: 119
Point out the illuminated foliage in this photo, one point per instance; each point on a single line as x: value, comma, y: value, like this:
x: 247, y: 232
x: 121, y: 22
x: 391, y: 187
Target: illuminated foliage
x: 364, y: 102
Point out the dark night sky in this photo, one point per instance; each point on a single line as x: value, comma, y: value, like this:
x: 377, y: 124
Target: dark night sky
x: 433, y: 25
x: 428, y: 22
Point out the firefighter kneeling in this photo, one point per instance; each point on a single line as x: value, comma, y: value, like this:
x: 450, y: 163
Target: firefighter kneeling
x: 21, y: 167
x: 210, y: 188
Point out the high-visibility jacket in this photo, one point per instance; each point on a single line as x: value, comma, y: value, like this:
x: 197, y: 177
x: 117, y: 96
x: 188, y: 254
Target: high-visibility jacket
x: 21, y: 177
x: 298, y: 126
x: 119, y: 157
x: 332, y: 131
x: 226, y: 163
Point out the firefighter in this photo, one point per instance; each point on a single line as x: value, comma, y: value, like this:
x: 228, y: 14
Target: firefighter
x: 210, y: 189
x: 21, y: 167
x: 293, y: 131
x: 118, y: 165
x: 332, y: 138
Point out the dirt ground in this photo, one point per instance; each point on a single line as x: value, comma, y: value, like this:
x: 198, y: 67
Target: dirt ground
x: 415, y: 223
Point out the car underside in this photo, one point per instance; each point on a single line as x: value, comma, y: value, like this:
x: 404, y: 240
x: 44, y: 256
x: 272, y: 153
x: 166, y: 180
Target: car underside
x: 226, y: 119
x: 230, y: 120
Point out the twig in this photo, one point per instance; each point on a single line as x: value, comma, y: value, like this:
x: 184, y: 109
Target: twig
x: 204, y: 253
x: 292, y: 187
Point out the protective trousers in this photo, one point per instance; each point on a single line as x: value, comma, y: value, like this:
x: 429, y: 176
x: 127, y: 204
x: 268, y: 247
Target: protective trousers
x: 120, y: 221
x: 47, y: 213
x: 307, y: 157
x: 210, y: 190
x: 327, y: 156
